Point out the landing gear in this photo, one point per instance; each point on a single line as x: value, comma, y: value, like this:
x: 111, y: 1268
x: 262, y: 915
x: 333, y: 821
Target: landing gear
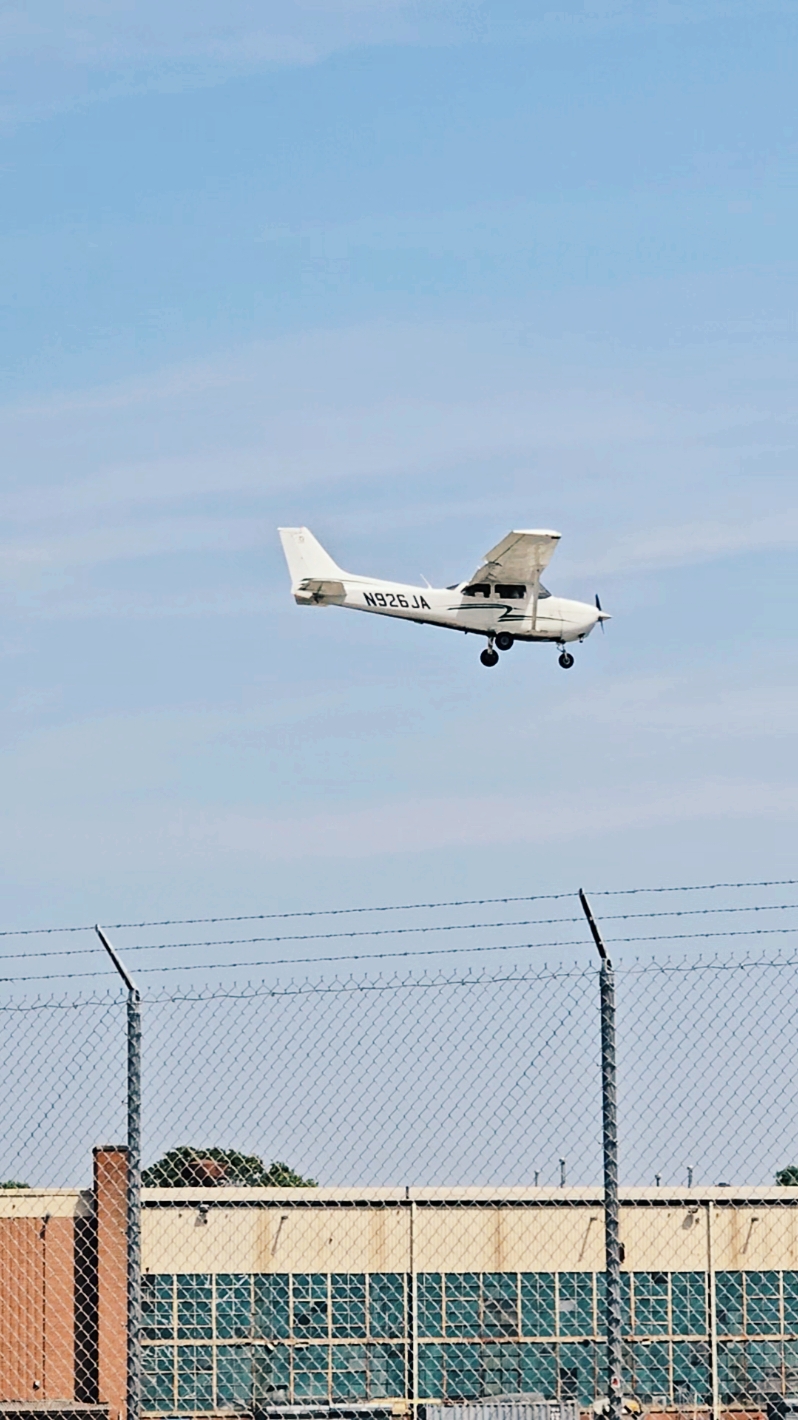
x: 489, y: 657
x: 566, y: 660
x: 504, y: 640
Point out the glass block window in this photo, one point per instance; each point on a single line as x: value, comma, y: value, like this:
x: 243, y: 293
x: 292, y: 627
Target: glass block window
x: 729, y: 1302
x: 194, y: 1377
x: 462, y: 1304
x: 270, y: 1305
x: 309, y: 1297
x: 731, y: 1371
x: 349, y: 1373
x: 651, y: 1303
x: 499, y: 1304
x: 575, y: 1303
x: 194, y: 1306
x: 539, y: 1369
x: 157, y: 1307
x: 311, y: 1372
x: 651, y: 1370
x: 386, y: 1371
x: 689, y: 1303
x: 271, y: 1373
x: 158, y: 1377
x: 577, y: 1372
x: 762, y: 1309
x: 763, y: 1368
x: 234, y: 1377
x: 386, y: 1304
x: 501, y: 1369
x: 462, y: 1373
x: 692, y: 1384
x: 233, y: 1305
x: 348, y: 1304
x: 430, y: 1371
x: 537, y: 1304
x: 430, y: 1305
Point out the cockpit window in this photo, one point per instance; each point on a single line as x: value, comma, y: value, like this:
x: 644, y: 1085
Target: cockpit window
x: 511, y: 592
x: 542, y: 592
x: 477, y: 589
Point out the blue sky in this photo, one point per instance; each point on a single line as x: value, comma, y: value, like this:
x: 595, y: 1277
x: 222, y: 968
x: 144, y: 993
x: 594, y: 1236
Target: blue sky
x: 412, y: 275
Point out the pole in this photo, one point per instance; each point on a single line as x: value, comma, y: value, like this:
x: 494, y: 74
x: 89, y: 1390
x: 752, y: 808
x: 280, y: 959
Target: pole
x: 609, y: 1103
x: 133, y: 1184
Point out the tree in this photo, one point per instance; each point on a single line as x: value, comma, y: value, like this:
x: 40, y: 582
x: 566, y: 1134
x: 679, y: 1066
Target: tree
x: 12, y: 1183
x: 218, y: 1168
x: 788, y: 1178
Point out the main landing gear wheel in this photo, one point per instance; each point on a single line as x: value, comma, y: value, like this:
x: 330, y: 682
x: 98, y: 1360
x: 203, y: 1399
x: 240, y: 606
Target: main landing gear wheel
x: 566, y: 660
x: 489, y: 657
x: 504, y: 640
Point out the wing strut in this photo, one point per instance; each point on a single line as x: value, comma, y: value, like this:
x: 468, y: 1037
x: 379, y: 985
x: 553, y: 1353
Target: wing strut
x: 535, y: 595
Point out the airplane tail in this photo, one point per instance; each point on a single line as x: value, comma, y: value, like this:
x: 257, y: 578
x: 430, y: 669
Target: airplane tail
x: 306, y: 557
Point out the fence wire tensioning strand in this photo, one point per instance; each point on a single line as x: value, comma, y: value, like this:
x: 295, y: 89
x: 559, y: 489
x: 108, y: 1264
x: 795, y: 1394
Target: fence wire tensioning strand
x: 372, y: 1194
x: 401, y: 907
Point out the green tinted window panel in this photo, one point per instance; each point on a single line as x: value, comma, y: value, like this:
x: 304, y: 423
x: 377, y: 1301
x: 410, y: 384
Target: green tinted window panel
x: 575, y: 1303
x: 430, y: 1371
x: 157, y: 1311
x: 158, y: 1377
x: 386, y: 1304
x: 500, y: 1304
x: 537, y: 1304
x: 349, y: 1373
x: 689, y: 1303
x: 763, y: 1369
x: 309, y: 1296
x: 731, y: 1372
x: 195, y: 1378
x: 790, y: 1285
x: 791, y: 1367
x: 626, y: 1296
x: 233, y: 1305
x: 538, y: 1369
x: 386, y: 1371
x: 462, y: 1292
x: 271, y: 1374
x: 762, y: 1309
x: 462, y: 1372
x: 651, y: 1371
x: 310, y: 1372
x: 501, y: 1369
x: 194, y: 1307
x: 348, y: 1303
x: 577, y: 1371
x: 729, y: 1303
x: 234, y: 1377
x: 651, y: 1303
x: 270, y: 1305
x: 692, y: 1384
x: 430, y: 1307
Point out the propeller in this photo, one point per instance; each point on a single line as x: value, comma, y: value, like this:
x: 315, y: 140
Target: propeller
x: 598, y: 608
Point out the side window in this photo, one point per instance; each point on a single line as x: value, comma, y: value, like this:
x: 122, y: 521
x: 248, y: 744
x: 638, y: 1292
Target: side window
x: 477, y: 589
x: 511, y: 592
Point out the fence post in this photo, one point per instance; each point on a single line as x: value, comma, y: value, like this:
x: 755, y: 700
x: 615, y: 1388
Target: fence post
x: 609, y: 1103
x: 133, y: 1184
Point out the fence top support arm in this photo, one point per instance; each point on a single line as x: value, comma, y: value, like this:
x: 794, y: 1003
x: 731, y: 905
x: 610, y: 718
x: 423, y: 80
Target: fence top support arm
x: 591, y: 922
x: 125, y: 975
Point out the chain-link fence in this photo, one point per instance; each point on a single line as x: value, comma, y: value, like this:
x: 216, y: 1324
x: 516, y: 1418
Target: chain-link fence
x: 385, y: 1193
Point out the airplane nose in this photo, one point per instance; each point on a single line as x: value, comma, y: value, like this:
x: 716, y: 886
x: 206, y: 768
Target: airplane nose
x: 603, y: 616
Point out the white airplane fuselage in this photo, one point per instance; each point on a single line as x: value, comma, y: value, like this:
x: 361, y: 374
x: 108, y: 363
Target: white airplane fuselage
x: 484, y: 609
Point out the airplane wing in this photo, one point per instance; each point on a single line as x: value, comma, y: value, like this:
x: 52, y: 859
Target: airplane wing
x: 519, y: 557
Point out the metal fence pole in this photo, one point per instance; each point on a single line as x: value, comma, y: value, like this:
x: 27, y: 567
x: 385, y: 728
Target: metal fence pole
x: 609, y: 1103
x: 133, y: 1184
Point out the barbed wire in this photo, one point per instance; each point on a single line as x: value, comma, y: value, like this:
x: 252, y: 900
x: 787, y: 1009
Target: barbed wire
x: 398, y: 907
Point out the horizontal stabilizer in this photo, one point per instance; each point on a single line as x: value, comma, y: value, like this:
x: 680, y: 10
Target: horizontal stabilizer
x: 314, y: 592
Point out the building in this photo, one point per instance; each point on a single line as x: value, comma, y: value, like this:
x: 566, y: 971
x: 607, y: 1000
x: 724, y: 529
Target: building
x: 384, y: 1299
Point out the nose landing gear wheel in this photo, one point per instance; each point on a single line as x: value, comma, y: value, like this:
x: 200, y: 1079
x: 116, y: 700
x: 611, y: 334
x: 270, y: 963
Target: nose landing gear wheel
x: 566, y: 660
x: 489, y: 657
x: 504, y: 640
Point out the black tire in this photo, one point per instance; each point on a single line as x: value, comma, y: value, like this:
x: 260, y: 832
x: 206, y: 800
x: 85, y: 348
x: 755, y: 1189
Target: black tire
x: 566, y: 660
x: 504, y: 641
x: 489, y: 657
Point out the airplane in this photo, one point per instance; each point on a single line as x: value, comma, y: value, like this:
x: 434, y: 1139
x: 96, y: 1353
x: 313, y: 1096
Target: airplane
x: 505, y: 600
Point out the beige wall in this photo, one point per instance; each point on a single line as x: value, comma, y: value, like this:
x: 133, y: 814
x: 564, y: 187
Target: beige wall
x: 391, y: 1231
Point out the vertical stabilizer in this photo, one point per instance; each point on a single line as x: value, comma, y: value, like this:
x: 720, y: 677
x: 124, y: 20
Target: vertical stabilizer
x: 306, y: 556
